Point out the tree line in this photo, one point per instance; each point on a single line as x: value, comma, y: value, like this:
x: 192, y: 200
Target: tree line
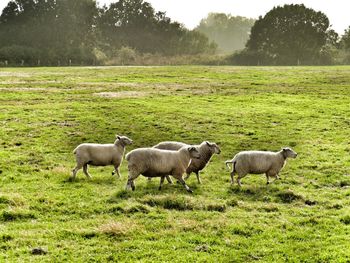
x: 51, y: 32
x: 79, y: 32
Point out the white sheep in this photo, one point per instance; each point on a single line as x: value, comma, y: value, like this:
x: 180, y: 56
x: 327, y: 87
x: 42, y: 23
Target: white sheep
x: 151, y: 162
x: 258, y: 162
x: 100, y: 155
x: 206, y: 150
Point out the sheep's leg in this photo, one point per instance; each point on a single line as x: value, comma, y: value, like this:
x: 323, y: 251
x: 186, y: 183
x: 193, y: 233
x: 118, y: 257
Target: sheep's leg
x: 271, y: 174
x: 239, y: 181
x: 116, y: 170
x: 187, y: 176
x: 130, y: 185
x: 118, y: 173
x: 132, y: 176
x: 182, y: 181
x: 169, y: 179
x: 75, y: 170
x: 133, y: 185
x: 161, y: 182
x: 267, y: 179
x: 276, y: 178
x: 232, y: 179
x: 239, y: 177
x: 85, y: 170
x: 198, y: 179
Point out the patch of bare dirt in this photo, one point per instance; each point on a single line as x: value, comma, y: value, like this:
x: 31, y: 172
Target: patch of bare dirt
x: 13, y: 74
x: 122, y: 94
x: 29, y: 89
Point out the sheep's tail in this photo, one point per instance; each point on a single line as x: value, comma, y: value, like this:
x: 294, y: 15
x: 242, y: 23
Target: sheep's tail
x: 233, y: 161
x: 227, y: 164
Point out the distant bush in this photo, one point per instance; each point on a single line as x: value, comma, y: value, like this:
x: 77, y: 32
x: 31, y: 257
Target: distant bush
x: 99, y: 55
x: 149, y: 59
x: 249, y: 58
x: 126, y: 55
x: 15, y: 54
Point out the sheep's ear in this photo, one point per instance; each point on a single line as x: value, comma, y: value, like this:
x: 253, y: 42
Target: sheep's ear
x: 190, y: 149
x: 117, y: 136
x: 208, y: 143
x: 285, y: 149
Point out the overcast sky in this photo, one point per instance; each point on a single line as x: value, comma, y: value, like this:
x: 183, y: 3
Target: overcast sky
x: 190, y: 12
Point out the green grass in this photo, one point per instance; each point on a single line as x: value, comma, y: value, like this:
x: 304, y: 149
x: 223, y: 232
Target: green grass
x: 46, y: 112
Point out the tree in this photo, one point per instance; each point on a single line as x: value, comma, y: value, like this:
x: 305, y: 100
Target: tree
x: 55, y: 31
x: 290, y: 35
x: 345, y: 39
x: 344, y: 47
x: 135, y: 24
x: 229, y: 32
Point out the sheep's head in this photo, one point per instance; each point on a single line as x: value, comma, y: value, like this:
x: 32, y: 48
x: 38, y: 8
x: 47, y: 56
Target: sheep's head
x: 194, y: 153
x: 214, y: 148
x: 124, y: 140
x: 289, y: 153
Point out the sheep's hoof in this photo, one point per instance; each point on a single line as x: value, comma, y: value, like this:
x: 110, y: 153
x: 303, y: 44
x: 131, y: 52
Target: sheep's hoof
x: 190, y: 191
x: 159, y: 188
x: 267, y: 182
x: 71, y: 179
x: 113, y: 173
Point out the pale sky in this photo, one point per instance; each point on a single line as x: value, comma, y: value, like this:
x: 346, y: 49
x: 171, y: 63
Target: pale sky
x: 190, y: 12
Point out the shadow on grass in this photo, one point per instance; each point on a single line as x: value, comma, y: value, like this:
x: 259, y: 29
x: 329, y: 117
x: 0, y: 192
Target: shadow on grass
x: 172, y: 197
x: 105, y: 180
x: 266, y: 194
x: 11, y: 215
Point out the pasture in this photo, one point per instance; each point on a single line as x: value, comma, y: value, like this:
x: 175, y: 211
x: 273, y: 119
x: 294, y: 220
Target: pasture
x: 46, y: 112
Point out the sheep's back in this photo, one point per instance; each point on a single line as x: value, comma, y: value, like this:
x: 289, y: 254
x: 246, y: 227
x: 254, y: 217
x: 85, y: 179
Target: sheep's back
x: 100, y: 153
x: 172, y: 146
x: 151, y: 160
x: 255, y: 161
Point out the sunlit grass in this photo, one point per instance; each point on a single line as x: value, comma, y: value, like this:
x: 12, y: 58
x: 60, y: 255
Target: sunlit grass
x: 46, y: 112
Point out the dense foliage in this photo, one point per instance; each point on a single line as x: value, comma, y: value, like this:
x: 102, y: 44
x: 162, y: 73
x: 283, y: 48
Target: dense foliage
x: 345, y: 45
x: 55, y: 32
x: 289, y: 35
x: 229, y: 32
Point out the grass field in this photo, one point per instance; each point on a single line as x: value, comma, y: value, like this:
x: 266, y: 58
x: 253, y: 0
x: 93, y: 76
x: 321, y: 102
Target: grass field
x: 46, y: 112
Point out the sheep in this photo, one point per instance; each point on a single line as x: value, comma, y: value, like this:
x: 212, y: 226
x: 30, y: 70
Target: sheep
x: 206, y: 150
x: 152, y: 162
x: 172, y: 146
x: 100, y: 155
x: 258, y: 162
